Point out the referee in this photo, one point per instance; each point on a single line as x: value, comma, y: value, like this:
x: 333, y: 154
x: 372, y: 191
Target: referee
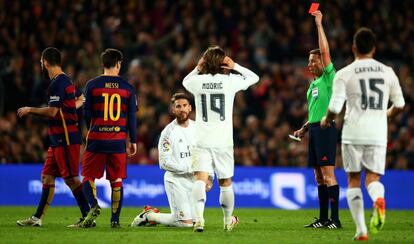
x: 322, y: 142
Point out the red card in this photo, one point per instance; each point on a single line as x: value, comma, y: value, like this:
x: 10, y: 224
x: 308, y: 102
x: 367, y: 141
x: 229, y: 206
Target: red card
x: 314, y: 7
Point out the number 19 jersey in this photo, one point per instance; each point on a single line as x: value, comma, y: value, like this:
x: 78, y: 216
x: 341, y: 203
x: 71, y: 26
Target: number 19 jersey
x: 367, y: 85
x: 214, y: 98
x: 110, y: 106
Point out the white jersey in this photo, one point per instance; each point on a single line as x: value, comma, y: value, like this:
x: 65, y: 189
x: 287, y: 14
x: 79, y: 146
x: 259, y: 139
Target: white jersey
x: 174, y: 147
x: 367, y: 85
x: 214, y: 97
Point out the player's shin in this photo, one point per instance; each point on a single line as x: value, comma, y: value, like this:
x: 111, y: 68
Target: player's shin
x: 89, y: 190
x: 376, y: 190
x: 199, y: 196
x: 117, y: 197
x: 48, y: 191
x: 81, y: 200
x: 227, y: 202
x: 161, y: 218
x: 356, y: 206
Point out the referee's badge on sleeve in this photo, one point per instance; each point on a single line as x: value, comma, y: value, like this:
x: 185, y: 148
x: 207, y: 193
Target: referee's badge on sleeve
x: 315, y: 92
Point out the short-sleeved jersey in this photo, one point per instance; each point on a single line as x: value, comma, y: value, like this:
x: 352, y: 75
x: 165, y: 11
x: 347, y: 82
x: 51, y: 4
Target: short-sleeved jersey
x: 110, y: 107
x: 367, y: 85
x: 214, y: 98
x: 319, y: 94
x: 63, y: 128
x: 175, y: 146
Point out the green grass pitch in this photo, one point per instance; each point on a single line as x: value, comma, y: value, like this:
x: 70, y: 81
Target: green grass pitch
x: 256, y: 226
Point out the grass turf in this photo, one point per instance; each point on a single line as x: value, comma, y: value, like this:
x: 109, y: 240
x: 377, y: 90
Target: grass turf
x: 256, y: 226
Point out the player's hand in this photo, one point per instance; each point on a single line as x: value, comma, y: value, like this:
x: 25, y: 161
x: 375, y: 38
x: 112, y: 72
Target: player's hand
x: 324, y: 123
x: 200, y: 64
x: 21, y: 112
x: 131, y: 149
x: 318, y: 17
x: 299, y: 133
x: 228, y: 63
x: 209, y: 184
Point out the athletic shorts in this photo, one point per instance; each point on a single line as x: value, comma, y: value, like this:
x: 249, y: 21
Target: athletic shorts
x: 218, y: 160
x: 322, y: 145
x: 94, y: 164
x: 62, y: 161
x: 371, y: 157
x: 179, y: 193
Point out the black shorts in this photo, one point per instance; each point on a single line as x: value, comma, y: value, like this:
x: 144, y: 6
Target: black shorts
x: 322, y: 145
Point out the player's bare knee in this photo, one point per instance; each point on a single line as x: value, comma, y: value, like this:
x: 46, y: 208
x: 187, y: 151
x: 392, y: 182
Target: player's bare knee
x: 371, y: 177
x: 225, y: 182
x: 48, y: 179
x: 72, y: 182
x: 354, y: 180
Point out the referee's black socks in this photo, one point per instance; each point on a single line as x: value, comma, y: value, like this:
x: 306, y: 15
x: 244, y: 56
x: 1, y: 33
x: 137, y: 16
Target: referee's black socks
x: 323, y: 202
x: 333, y: 193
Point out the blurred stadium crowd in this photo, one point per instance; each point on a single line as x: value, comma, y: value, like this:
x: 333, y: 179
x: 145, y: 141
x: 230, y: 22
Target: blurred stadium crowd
x: 162, y: 41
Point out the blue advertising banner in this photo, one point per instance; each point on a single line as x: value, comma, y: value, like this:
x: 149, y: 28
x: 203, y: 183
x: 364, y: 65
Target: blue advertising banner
x: 285, y: 188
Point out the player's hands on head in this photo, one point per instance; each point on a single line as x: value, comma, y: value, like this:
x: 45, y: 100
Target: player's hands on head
x: 200, y: 64
x: 228, y: 63
x: 318, y: 17
x: 131, y: 149
x: 21, y: 112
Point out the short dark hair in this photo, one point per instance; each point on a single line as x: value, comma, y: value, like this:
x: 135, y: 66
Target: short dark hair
x: 110, y: 57
x: 180, y: 95
x: 52, y: 56
x: 213, y: 59
x: 364, y: 40
x: 315, y: 51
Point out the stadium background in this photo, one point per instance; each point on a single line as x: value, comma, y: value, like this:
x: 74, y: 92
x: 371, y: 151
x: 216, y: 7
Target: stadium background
x: 162, y: 41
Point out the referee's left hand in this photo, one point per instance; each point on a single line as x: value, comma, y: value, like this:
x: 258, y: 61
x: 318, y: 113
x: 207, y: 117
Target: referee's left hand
x: 324, y: 123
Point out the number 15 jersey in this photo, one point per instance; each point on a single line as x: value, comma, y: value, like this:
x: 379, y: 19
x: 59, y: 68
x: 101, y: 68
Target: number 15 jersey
x: 110, y: 106
x: 214, y: 98
x: 367, y: 85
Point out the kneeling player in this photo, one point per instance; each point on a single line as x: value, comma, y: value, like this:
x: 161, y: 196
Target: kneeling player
x: 175, y: 157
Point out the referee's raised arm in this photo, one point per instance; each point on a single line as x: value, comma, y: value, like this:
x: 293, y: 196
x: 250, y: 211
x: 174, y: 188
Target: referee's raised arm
x: 322, y: 40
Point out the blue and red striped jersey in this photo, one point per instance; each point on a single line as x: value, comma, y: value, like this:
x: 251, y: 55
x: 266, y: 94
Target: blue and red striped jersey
x: 63, y: 128
x: 110, y: 107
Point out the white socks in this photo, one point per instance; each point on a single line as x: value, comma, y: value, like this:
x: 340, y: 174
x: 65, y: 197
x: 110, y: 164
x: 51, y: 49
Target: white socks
x: 227, y: 202
x: 376, y: 190
x: 356, y: 205
x: 166, y: 219
x: 199, y: 197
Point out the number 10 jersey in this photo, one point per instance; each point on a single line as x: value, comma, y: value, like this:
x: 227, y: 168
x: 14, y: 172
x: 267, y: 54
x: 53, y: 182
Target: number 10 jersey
x: 110, y: 106
x: 214, y: 98
x: 366, y: 85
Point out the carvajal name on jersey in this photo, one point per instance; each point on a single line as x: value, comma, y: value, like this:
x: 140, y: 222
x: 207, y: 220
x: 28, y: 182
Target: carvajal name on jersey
x: 368, y: 69
x: 212, y: 85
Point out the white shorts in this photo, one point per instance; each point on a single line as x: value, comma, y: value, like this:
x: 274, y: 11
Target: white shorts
x: 179, y: 193
x: 371, y: 157
x: 218, y: 160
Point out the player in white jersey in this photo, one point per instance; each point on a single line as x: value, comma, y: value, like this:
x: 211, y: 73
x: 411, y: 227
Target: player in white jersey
x: 214, y: 84
x: 366, y: 85
x: 174, y: 147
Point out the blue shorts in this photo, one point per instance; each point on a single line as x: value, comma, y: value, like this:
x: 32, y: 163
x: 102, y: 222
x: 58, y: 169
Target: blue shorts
x: 322, y: 145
